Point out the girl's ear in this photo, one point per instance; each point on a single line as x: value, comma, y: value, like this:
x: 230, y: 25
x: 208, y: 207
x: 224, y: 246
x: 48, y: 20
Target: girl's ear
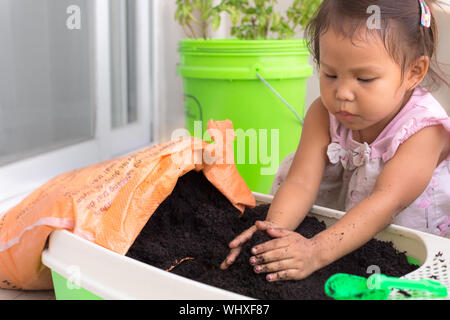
x: 417, y: 71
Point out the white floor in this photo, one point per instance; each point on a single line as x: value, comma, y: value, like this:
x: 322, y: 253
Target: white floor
x: 26, y: 295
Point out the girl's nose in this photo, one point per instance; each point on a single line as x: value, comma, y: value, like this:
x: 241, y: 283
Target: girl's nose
x: 344, y: 92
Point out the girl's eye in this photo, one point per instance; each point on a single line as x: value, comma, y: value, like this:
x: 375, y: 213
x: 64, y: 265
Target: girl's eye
x: 366, y: 80
x: 330, y: 76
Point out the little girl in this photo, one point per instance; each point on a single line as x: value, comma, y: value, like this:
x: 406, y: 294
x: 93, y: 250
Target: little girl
x: 375, y: 144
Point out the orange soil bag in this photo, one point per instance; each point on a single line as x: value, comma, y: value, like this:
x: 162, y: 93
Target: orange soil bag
x: 109, y: 203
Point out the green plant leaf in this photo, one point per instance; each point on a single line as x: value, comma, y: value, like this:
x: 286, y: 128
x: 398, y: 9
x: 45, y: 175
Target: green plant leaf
x: 215, y: 22
x: 249, y: 20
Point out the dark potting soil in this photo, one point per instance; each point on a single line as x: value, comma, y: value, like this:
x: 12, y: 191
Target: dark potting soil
x: 189, y: 234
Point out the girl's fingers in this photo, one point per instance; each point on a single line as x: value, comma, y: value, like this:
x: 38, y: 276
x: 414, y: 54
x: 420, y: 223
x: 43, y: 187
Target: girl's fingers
x: 236, y: 247
x: 243, y: 237
x: 289, y: 274
x: 275, y: 266
x: 229, y: 260
x: 280, y: 270
x: 271, y: 229
x: 271, y: 256
x: 286, y: 269
x: 271, y: 245
x: 277, y: 232
x: 264, y: 225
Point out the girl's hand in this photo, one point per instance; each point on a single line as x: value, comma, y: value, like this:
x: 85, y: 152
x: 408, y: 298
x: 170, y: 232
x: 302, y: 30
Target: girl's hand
x: 237, y: 243
x: 287, y: 257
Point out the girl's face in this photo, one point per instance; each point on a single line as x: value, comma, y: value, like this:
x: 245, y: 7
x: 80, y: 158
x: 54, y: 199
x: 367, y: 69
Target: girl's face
x: 360, y: 83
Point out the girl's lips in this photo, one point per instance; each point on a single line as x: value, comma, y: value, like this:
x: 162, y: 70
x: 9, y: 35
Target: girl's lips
x: 346, y: 115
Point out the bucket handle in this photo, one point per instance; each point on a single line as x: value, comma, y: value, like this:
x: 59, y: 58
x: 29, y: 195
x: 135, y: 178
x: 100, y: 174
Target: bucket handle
x: 281, y: 98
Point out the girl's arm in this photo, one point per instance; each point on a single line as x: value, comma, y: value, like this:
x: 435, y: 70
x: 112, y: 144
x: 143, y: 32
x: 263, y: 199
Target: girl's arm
x: 403, y: 179
x: 296, y: 195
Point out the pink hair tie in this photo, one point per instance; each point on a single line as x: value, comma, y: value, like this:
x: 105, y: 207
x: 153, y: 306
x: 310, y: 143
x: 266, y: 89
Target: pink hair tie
x: 425, y: 20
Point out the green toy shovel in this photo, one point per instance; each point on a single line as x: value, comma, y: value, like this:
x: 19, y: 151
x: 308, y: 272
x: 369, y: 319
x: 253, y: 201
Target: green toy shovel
x: 343, y: 286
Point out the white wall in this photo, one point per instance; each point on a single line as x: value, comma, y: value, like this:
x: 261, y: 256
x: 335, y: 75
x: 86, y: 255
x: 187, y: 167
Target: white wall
x: 167, y: 90
x: 168, y: 85
x: 443, y: 53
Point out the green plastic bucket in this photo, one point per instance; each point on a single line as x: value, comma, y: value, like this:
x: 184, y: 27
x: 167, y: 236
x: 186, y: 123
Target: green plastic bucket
x: 260, y: 85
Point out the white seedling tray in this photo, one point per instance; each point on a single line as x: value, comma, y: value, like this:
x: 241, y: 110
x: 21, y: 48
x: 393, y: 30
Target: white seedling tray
x: 113, y: 276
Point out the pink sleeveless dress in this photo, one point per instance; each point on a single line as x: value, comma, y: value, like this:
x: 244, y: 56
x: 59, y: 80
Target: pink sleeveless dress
x: 353, y: 167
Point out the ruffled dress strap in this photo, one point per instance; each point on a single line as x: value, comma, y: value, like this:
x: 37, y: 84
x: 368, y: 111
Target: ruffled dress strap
x: 421, y: 111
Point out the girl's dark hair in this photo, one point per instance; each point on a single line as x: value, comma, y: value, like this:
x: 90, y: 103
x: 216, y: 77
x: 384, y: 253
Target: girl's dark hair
x: 400, y: 29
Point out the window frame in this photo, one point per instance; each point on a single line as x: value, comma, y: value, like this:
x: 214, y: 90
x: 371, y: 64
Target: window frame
x: 19, y: 178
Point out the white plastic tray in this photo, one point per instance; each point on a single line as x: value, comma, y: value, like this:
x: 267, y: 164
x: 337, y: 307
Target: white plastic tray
x: 113, y: 276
